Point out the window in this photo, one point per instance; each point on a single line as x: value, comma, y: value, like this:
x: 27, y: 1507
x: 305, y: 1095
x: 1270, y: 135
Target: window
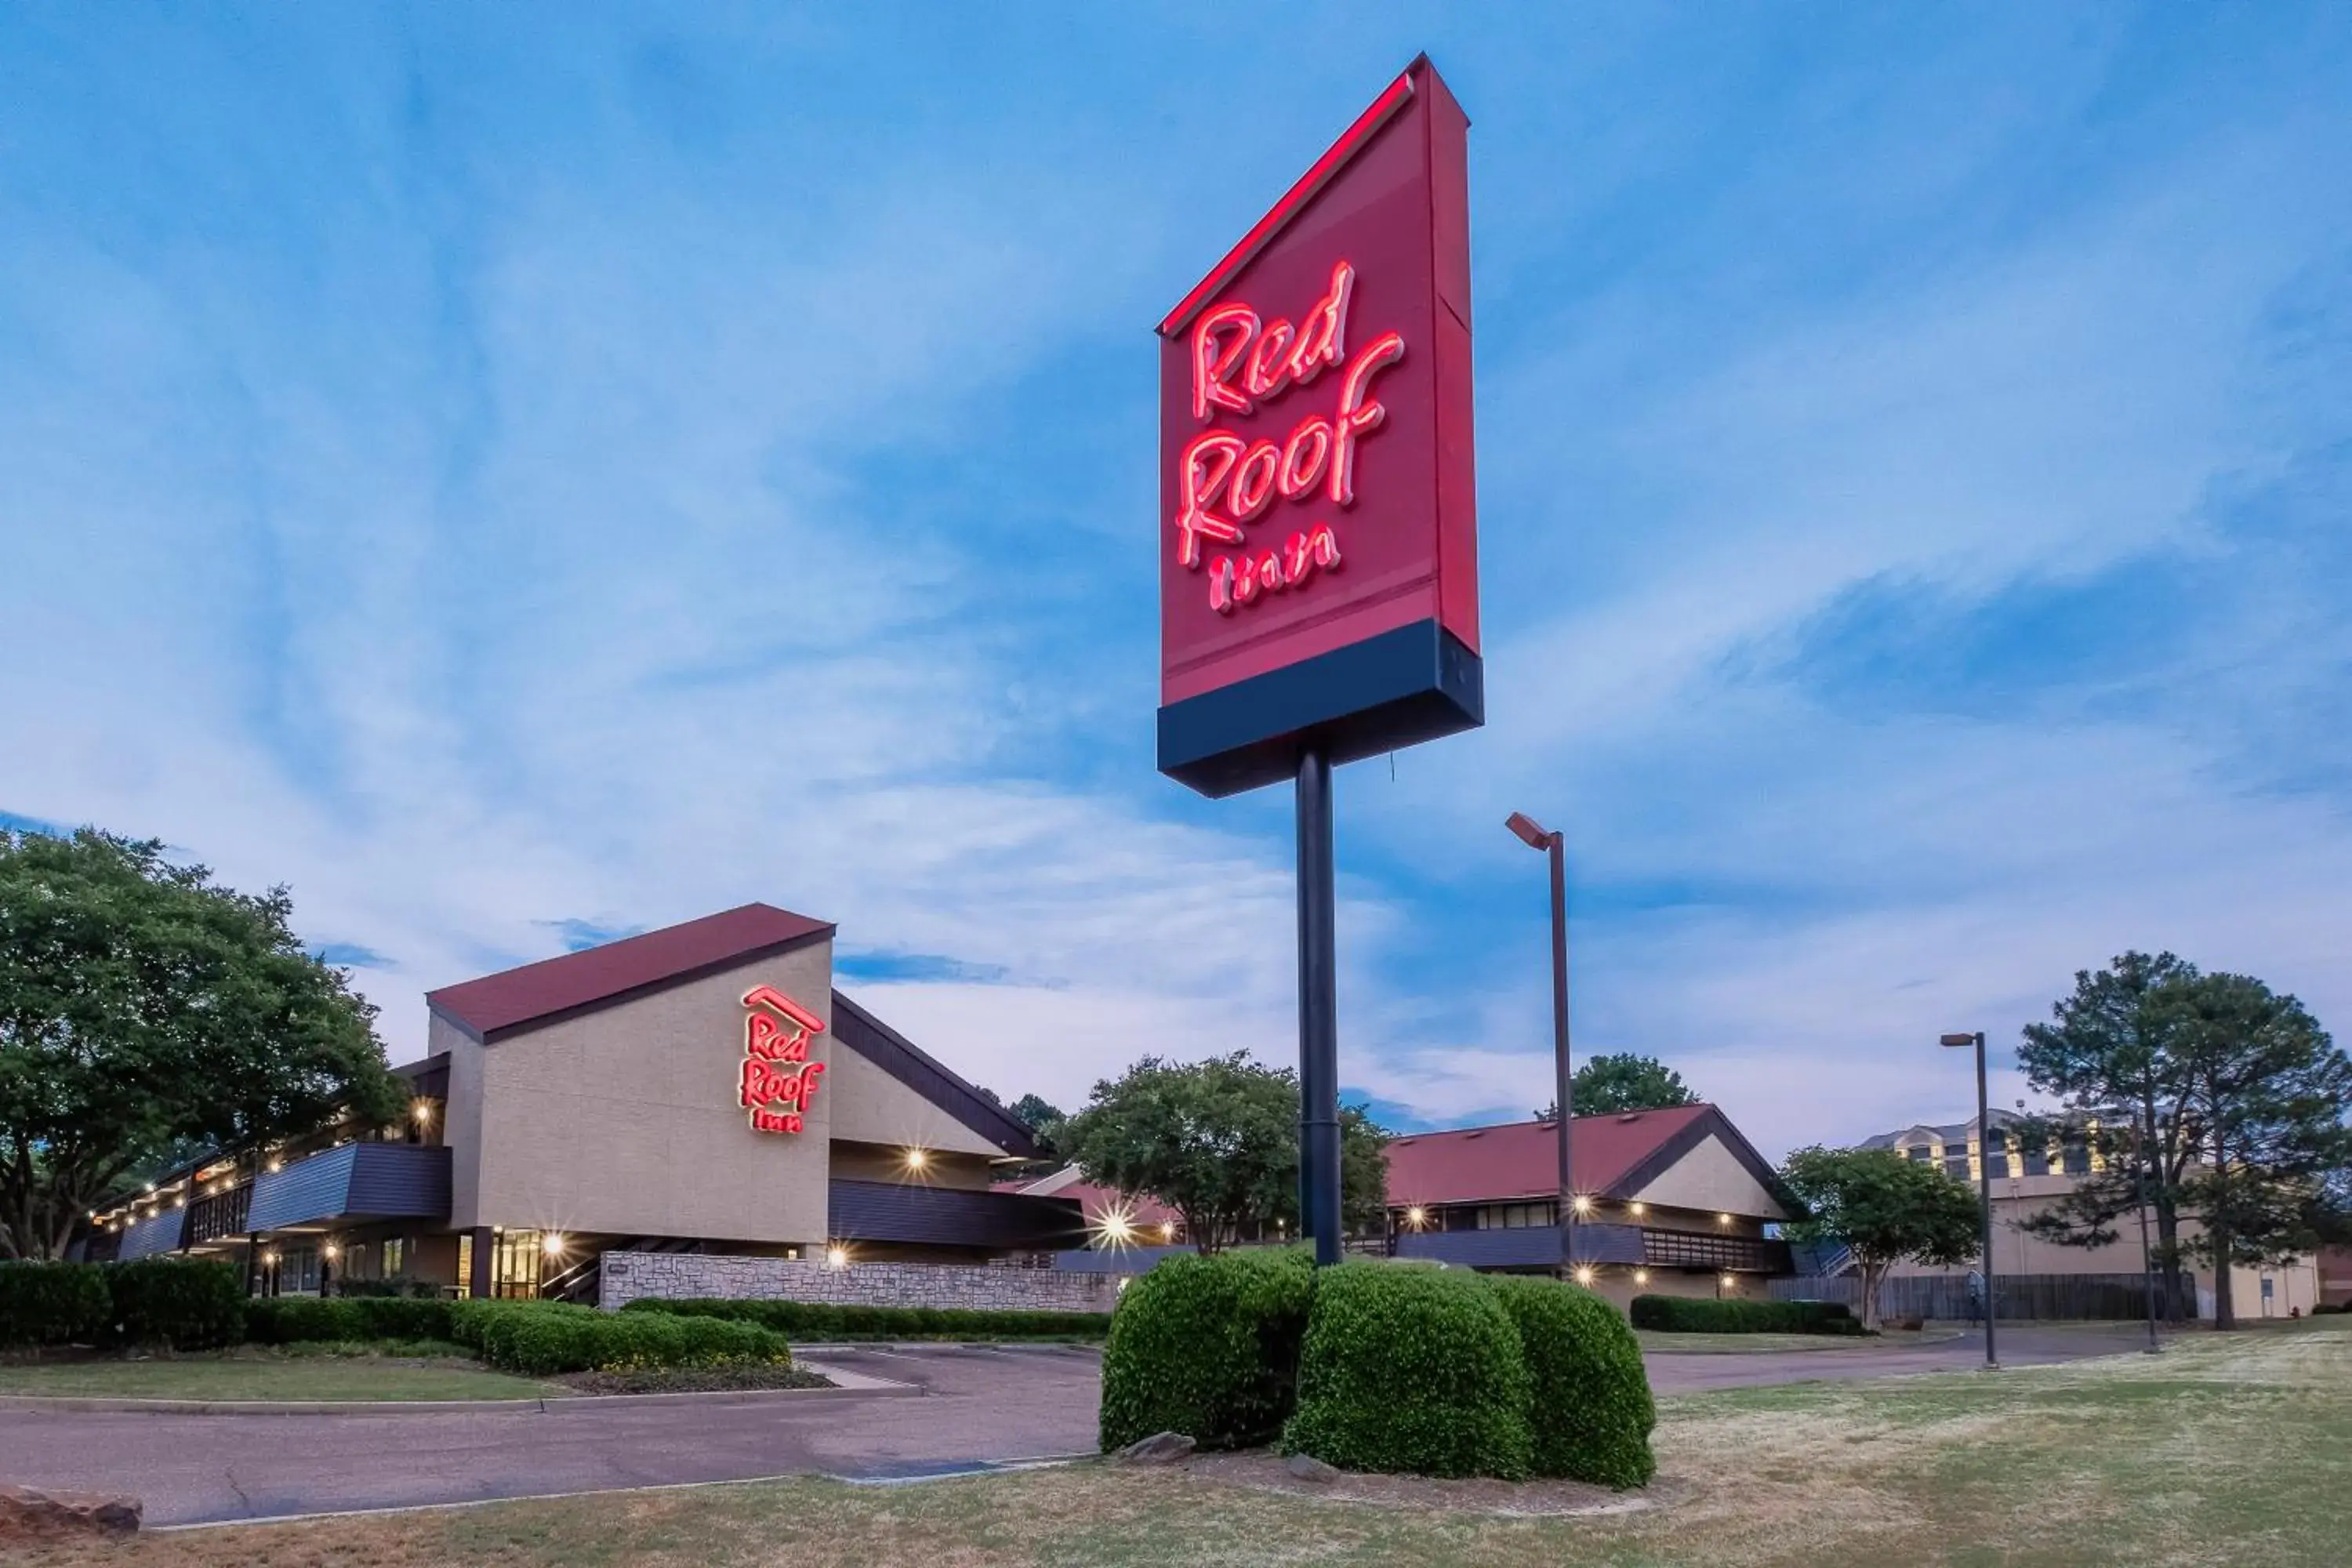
x: 2077, y: 1156
x: 395, y: 1257
x: 1920, y: 1153
x: 465, y: 1263
x: 1997, y: 1157
x: 2037, y: 1162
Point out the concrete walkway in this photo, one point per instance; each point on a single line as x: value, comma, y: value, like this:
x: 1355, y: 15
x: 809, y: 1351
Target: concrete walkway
x: 980, y: 1406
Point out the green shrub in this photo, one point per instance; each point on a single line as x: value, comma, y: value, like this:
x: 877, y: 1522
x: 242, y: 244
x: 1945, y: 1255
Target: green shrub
x: 186, y: 1303
x: 1412, y: 1369
x: 1592, y: 1411
x: 52, y: 1303
x: 1208, y: 1347
x: 403, y: 1316
x: 825, y: 1321
x: 1698, y: 1315
x: 540, y: 1339
x: 285, y: 1320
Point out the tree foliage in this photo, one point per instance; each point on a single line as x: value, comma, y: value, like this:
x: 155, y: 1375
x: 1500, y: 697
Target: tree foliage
x: 2266, y: 1099
x: 1217, y: 1141
x: 2107, y: 1055
x: 1605, y: 1085
x: 2220, y: 1100
x: 1883, y: 1208
x: 144, y: 1007
x: 1043, y: 1119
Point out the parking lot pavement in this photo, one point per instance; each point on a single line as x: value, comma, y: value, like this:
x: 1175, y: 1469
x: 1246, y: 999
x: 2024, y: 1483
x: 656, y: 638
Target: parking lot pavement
x: 980, y: 1404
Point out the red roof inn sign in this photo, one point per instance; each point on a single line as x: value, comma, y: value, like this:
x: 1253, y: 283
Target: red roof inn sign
x: 1318, y: 541
x: 779, y: 1082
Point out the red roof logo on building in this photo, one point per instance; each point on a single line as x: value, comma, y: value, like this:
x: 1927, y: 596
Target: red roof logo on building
x: 779, y: 1081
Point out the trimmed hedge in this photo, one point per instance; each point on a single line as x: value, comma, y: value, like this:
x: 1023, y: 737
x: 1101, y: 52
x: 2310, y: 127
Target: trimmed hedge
x: 1208, y: 1347
x: 185, y: 1303
x: 539, y: 1339
x: 820, y: 1320
x: 53, y: 1304
x: 1698, y: 1315
x: 1411, y: 1369
x: 283, y: 1320
x: 1593, y: 1412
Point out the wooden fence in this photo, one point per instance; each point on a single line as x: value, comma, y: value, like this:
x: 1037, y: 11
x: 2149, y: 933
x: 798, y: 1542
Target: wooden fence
x: 2046, y: 1297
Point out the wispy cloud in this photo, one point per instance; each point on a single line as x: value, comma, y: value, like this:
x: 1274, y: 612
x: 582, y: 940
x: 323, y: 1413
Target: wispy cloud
x: 532, y: 471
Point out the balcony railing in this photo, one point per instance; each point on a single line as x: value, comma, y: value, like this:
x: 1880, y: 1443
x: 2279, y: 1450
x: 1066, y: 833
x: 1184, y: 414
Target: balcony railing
x: 223, y: 1214
x: 1701, y: 1249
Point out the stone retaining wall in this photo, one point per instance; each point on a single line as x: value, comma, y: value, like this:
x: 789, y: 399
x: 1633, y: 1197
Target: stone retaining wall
x: 625, y: 1277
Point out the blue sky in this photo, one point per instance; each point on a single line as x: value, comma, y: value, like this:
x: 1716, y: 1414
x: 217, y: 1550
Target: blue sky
x: 520, y: 475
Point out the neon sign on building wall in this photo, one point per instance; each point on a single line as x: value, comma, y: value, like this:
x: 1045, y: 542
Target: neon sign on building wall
x: 779, y: 1082
x: 1240, y: 362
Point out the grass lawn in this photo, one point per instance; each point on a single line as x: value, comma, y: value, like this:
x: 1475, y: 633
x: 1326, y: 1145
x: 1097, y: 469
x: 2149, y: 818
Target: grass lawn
x: 2223, y: 1451
x: 291, y: 1372
x: 1757, y: 1344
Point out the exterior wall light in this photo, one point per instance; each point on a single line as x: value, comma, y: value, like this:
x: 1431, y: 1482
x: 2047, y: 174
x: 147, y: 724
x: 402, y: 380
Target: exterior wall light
x: 551, y: 1244
x: 1166, y: 1230
x: 836, y: 1256
x: 1640, y: 1276
x: 1584, y: 1274
x: 1582, y: 1204
x: 271, y: 1257
x: 1639, y: 1209
x: 330, y: 1252
x: 1723, y: 1219
x: 422, y: 1111
x: 917, y: 1159
x: 1730, y: 1281
x: 274, y: 1164
x: 1416, y: 1217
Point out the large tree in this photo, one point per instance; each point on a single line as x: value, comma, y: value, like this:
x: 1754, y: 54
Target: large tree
x: 1043, y: 1119
x: 144, y: 1007
x: 2267, y: 1093
x: 2108, y: 1054
x: 1217, y: 1141
x: 1607, y: 1084
x: 1884, y: 1209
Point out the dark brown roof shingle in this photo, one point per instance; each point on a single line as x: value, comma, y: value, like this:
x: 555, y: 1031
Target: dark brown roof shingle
x: 514, y: 998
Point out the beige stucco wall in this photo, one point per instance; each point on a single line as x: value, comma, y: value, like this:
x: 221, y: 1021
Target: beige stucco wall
x: 624, y: 1122
x: 1710, y: 1179
x: 872, y: 1107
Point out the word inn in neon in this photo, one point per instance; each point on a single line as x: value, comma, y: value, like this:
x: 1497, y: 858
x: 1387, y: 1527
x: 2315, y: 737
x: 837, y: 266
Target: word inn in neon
x: 779, y: 1081
x: 1241, y: 364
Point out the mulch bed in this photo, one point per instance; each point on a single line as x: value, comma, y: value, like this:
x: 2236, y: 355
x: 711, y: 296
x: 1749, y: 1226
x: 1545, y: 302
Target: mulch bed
x: 694, y: 1380
x: 1261, y: 1470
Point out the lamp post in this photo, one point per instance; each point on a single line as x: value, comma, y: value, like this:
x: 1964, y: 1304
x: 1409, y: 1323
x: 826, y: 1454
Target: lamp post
x: 1984, y: 1185
x: 1552, y: 844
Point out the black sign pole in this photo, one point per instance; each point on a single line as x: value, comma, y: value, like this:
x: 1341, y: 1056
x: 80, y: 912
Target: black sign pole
x: 1318, y: 1010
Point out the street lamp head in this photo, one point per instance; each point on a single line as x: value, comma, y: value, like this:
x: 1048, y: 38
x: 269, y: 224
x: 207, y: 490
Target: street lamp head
x: 1529, y: 833
x: 1957, y: 1040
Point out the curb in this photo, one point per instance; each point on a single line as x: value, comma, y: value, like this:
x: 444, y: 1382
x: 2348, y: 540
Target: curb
x: 865, y: 1387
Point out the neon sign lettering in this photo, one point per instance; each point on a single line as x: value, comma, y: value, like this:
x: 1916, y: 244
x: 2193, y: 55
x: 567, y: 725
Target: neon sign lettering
x: 779, y: 1082
x: 1239, y: 362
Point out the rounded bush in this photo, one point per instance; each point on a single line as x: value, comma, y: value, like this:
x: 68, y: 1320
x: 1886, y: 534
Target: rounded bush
x: 1593, y: 1412
x: 283, y: 1320
x: 1413, y: 1369
x: 185, y: 1303
x: 1208, y: 1347
x: 52, y: 1303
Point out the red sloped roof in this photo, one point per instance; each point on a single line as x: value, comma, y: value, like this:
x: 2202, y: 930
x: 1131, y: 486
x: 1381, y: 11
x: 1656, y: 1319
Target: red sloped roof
x: 1521, y: 1159
x: 511, y: 998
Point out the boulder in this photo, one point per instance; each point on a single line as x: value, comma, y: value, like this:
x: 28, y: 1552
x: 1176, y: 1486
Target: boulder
x: 27, y: 1513
x: 1307, y: 1467
x: 1159, y: 1448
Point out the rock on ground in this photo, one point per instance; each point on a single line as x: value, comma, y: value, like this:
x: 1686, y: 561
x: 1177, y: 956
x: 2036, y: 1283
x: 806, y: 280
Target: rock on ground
x: 1307, y: 1467
x: 29, y: 1514
x: 1159, y: 1448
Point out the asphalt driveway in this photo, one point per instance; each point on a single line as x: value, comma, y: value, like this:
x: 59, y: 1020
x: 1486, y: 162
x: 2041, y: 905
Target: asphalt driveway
x: 980, y: 1405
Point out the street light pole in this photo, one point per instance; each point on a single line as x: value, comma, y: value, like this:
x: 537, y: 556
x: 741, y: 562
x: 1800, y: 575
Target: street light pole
x: 1555, y: 845
x: 1984, y: 1187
